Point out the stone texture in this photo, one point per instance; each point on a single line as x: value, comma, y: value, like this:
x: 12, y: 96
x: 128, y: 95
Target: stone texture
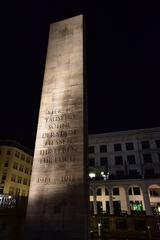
x: 57, y: 207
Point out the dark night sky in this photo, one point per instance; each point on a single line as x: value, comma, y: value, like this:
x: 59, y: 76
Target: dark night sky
x: 123, y: 64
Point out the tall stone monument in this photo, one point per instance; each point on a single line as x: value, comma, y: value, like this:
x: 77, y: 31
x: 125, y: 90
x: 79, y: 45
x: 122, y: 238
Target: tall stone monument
x: 57, y: 207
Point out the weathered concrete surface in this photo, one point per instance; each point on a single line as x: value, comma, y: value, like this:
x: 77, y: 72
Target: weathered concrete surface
x: 57, y: 207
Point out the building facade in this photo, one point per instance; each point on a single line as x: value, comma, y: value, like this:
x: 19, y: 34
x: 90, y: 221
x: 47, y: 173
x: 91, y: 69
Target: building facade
x: 125, y: 172
x: 15, y: 168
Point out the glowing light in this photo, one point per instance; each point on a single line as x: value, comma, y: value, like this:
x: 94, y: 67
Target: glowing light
x: 92, y: 175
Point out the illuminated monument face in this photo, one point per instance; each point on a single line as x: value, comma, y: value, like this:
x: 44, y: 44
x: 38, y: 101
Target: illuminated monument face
x: 57, y: 207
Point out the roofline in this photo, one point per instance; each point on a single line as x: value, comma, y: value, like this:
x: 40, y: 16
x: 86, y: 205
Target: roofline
x: 13, y: 143
x: 126, y: 132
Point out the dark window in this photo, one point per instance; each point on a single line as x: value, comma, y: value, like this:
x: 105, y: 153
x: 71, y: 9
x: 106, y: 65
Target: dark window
x: 131, y: 159
x: 0, y: 152
x: 4, y: 177
x: 6, y: 164
x: 25, y: 181
x: 117, y: 207
x: 91, y: 192
x: 117, y: 147
x: 26, y: 170
x: 147, y: 158
x: 136, y: 191
x: 149, y: 172
x: 8, y: 152
x: 13, y: 178
x: 91, y: 208
x: 92, y: 162
x: 19, y: 180
x: 103, y: 148
x: 103, y: 161
x: 21, y: 167
x: 155, y: 192
x: 23, y: 193
x: 99, y: 207
x: 106, y: 220
x: 11, y: 190
x: 23, y: 157
x: 99, y: 192
x: 121, y: 224
x: 17, y: 154
x: 28, y: 160
x: 91, y: 149
x: 129, y: 146
x: 106, y: 192
x: 158, y: 143
x: 115, y: 191
x: 145, y: 144
x: 120, y: 173
x: 17, y: 192
x: 133, y: 172
x: 159, y: 157
x: 15, y: 165
x: 130, y: 191
x: 118, y: 160
x: 139, y: 225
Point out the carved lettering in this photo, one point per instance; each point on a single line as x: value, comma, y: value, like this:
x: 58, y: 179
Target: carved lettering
x: 61, y: 159
x: 62, y: 180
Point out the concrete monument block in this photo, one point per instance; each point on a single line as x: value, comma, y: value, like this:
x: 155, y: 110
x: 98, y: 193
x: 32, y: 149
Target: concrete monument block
x: 57, y: 207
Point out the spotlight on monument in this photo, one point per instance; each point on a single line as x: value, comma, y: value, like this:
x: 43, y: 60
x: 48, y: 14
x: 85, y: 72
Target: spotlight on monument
x: 58, y: 198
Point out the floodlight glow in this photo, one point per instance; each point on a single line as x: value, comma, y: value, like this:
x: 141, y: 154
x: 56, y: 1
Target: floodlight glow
x: 92, y: 175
